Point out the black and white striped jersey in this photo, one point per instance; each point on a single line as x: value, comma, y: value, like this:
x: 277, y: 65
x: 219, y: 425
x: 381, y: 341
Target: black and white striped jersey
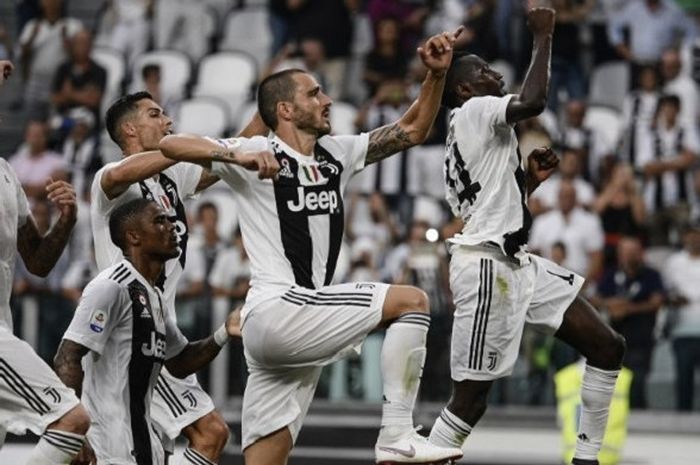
x: 168, y: 189
x: 485, y: 176
x: 292, y: 226
x: 122, y: 319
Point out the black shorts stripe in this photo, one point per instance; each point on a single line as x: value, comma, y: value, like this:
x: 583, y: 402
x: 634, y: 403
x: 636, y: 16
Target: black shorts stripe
x: 485, y: 317
x: 313, y: 300
x: 170, y: 396
x: 344, y: 294
x: 482, y: 302
x: 72, y: 450
x: 335, y: 296
x: 22, y: 388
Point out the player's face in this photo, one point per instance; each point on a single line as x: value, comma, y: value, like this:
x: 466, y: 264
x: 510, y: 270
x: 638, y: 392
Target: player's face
x: 158, y: 237
x: 312, y: 108
x: 486, y: 81
x: 151, y: 123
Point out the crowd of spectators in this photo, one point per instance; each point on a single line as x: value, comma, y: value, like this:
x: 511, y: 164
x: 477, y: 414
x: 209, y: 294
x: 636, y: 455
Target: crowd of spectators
x: 624, y: 191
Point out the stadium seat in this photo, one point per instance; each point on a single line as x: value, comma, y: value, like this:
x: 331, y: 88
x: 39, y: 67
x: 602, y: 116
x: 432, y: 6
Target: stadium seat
x: 205, y: 116
x: 228, y: 76
x: 175, y: 70
x: 113, y: 62
x: 248, y: 30
x: 606, y: 121
x: 609, y: 85
x: 343, y: 118
x: 245, y: 114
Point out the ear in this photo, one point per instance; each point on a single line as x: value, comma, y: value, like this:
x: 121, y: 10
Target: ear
x: 285, y: 110
x: 465, y: 91
x: 129, y: 128
x: 132, y: 237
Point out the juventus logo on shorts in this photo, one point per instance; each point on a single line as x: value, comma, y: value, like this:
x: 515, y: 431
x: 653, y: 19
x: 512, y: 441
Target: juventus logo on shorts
x: 187, y: 395
x: 493, y: 360
x: 53, y: 393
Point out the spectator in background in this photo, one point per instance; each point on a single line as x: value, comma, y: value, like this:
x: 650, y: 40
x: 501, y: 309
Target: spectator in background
x: 230, y: 273
x: 34, y: 164
x: 79, y: 82
x: 666, y: 160
x: 632, y: 294
x: 592, y: 146
x: 308, y: 55
x: 369, y: 217
x: 638, y: 113
x: 681, y: 84
x: 621, y: 209
x: 653, y: 25
x: 183, y: 25
x: 567, y: 72
x: 282, y: 16
x: 579, y: 230
x: 125, y: 26
x: 151, y: 76
x: 682, y: 275
x: 43, y: 46
x: 79, y: 150
x: 480, y: 34
x: 386, y: 60
x: 546, y: 197
x: 410, y: 13
x: 6, y: 51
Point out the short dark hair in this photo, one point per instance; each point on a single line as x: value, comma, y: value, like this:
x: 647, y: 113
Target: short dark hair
x: 275, y: 88
x: 149, y: 69
x: 121, y: 108
x: 122, y: 215
x: 207, y: 206
x: 461, y: 70
x: 671, y: 99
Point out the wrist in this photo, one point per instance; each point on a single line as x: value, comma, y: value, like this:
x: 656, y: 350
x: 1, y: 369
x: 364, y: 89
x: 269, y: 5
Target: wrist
x: 437, y: 75
x: 221, y: 336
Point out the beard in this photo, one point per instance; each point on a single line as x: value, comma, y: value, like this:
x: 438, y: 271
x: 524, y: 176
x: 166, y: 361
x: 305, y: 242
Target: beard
x: 307, y: 122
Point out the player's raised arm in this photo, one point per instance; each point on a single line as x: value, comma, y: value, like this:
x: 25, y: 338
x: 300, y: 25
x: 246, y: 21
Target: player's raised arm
x: 413, y: 127
x: 135, y: 168
x: 40, y: 253
x: 533, y: 95
x: 203, y: 151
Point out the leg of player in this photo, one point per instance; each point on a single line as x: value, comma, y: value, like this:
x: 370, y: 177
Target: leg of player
x: 273, y: 449
x: 604, y: 349
x: 464, y: 410
x: 207, y: 438
x: 407, y: 312
x: 62, y: 440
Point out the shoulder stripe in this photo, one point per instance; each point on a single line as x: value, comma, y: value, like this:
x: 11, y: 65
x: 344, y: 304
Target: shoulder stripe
x: 124, y: 278
x: 117, y: 271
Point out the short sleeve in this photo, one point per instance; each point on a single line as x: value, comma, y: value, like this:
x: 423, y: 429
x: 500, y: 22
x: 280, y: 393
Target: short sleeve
x: 175, y: 341
x: 97, y: 194
x: 98, y: 313
x: 187, y: 176
x: 351, y: 148
x: 483, y: 112
x: 230, y: 173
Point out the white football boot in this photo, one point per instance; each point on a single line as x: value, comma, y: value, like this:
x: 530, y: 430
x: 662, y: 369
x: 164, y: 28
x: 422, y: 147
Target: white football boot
x: 412, y: 448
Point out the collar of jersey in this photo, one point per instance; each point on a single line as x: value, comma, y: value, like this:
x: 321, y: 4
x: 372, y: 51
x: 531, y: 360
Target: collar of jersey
x: 293, y: 153
x: 138, y: 275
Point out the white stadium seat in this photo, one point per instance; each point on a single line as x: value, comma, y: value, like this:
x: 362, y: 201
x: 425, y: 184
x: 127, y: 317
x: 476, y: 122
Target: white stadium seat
x: 245, y: 114
x: 606, y: 121
x: 205, y: 116
x: 248, y: 30
x: 609, y: 84
x: 228, y: 76
x: 175, y: 71
x: 114, y: 63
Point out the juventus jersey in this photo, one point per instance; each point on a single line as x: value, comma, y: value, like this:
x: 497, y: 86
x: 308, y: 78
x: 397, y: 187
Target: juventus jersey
x: 485, y: 176
x: 13, y: 214
x: 122, y: 319
x: 167, y: 189
x: 292, y: 226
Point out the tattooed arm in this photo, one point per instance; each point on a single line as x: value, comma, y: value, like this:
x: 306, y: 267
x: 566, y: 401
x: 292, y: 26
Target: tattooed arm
x: 67, y: 364
x: 134, y: 168
x: 202, y: 151
x: 414, y: 126
x: 40, y: 253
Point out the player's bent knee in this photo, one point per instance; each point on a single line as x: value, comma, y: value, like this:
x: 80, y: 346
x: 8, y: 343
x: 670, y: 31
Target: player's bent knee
x: 210, y: 431
x: 609, y: 352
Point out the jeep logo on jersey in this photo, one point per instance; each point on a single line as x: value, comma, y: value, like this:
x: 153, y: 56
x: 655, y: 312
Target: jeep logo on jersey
x: 315, y: 200
x: 156, y: 347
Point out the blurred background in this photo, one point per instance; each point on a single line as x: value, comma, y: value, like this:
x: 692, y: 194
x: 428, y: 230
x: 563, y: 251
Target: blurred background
x: 624, y: 209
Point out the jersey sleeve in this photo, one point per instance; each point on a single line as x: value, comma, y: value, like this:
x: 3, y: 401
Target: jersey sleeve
x: 484, y: 112
x: 98, y: 195
x: 175, y: 341
x: 235, y: 175
x: 22, y: 203
x: 187, y: 176
x: 351, y: 149
x: 99, y: 311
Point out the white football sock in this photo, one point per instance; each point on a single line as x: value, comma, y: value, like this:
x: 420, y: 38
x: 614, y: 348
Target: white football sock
x: 596, y: 393
x: 403, y: 355
x: 449, y: 430
x: 56, y: 447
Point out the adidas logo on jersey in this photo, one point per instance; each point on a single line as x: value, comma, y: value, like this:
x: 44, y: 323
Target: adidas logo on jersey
x: 145, y: 313
x: 285, y: 171
x: 315, y: 202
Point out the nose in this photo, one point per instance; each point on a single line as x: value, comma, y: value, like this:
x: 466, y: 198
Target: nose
x: 327, y: 101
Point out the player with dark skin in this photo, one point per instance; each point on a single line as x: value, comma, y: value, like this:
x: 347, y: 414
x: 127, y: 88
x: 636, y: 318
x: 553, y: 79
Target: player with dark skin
x: 582, y: 328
